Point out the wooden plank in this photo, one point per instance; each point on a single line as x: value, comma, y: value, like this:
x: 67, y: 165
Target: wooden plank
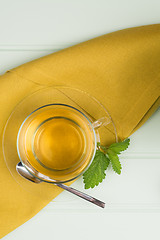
x: 11, y: 59
x: 89, y: 225
x: 137, y: 188
x: 58, y: 22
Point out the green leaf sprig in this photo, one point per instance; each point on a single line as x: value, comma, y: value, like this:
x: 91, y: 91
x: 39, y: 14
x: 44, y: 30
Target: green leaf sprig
x: 103, y: 157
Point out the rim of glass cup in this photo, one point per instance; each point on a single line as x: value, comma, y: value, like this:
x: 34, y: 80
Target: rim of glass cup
x: 43, y: 177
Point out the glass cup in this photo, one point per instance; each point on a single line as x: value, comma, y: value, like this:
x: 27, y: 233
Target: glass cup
x: 57, y: 142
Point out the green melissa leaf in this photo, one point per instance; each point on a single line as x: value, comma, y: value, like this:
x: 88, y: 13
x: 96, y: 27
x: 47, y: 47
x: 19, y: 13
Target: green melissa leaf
x: 120, y: 146
x: 104, y: 155
x: 96, y: 171
x: 113, y: 157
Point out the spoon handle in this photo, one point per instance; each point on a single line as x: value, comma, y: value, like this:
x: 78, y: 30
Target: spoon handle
x: 82, y: 195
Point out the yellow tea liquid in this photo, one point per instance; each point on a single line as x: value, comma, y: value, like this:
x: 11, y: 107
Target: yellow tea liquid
x: 57, y: 141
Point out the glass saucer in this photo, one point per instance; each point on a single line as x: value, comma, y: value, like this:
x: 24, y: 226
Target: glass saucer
x: 81, y: 100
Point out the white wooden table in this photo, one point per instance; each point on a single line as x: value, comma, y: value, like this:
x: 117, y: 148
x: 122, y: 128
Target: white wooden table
x: 33, y: 28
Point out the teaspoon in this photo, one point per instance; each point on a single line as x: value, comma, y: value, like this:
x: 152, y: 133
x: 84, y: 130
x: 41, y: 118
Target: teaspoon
x: 25, y: 173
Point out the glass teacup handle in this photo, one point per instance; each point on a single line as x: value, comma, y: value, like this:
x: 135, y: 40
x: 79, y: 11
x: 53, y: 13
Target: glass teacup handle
x: 104, y: 121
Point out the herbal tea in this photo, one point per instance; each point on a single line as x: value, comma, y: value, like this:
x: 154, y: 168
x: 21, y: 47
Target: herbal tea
x: 57, y: 141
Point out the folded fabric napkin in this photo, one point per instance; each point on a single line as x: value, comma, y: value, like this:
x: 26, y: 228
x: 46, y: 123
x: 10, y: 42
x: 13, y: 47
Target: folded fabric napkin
x: 120, y: 69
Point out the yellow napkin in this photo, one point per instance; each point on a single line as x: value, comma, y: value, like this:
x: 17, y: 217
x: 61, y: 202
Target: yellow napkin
x: 121, y: 69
